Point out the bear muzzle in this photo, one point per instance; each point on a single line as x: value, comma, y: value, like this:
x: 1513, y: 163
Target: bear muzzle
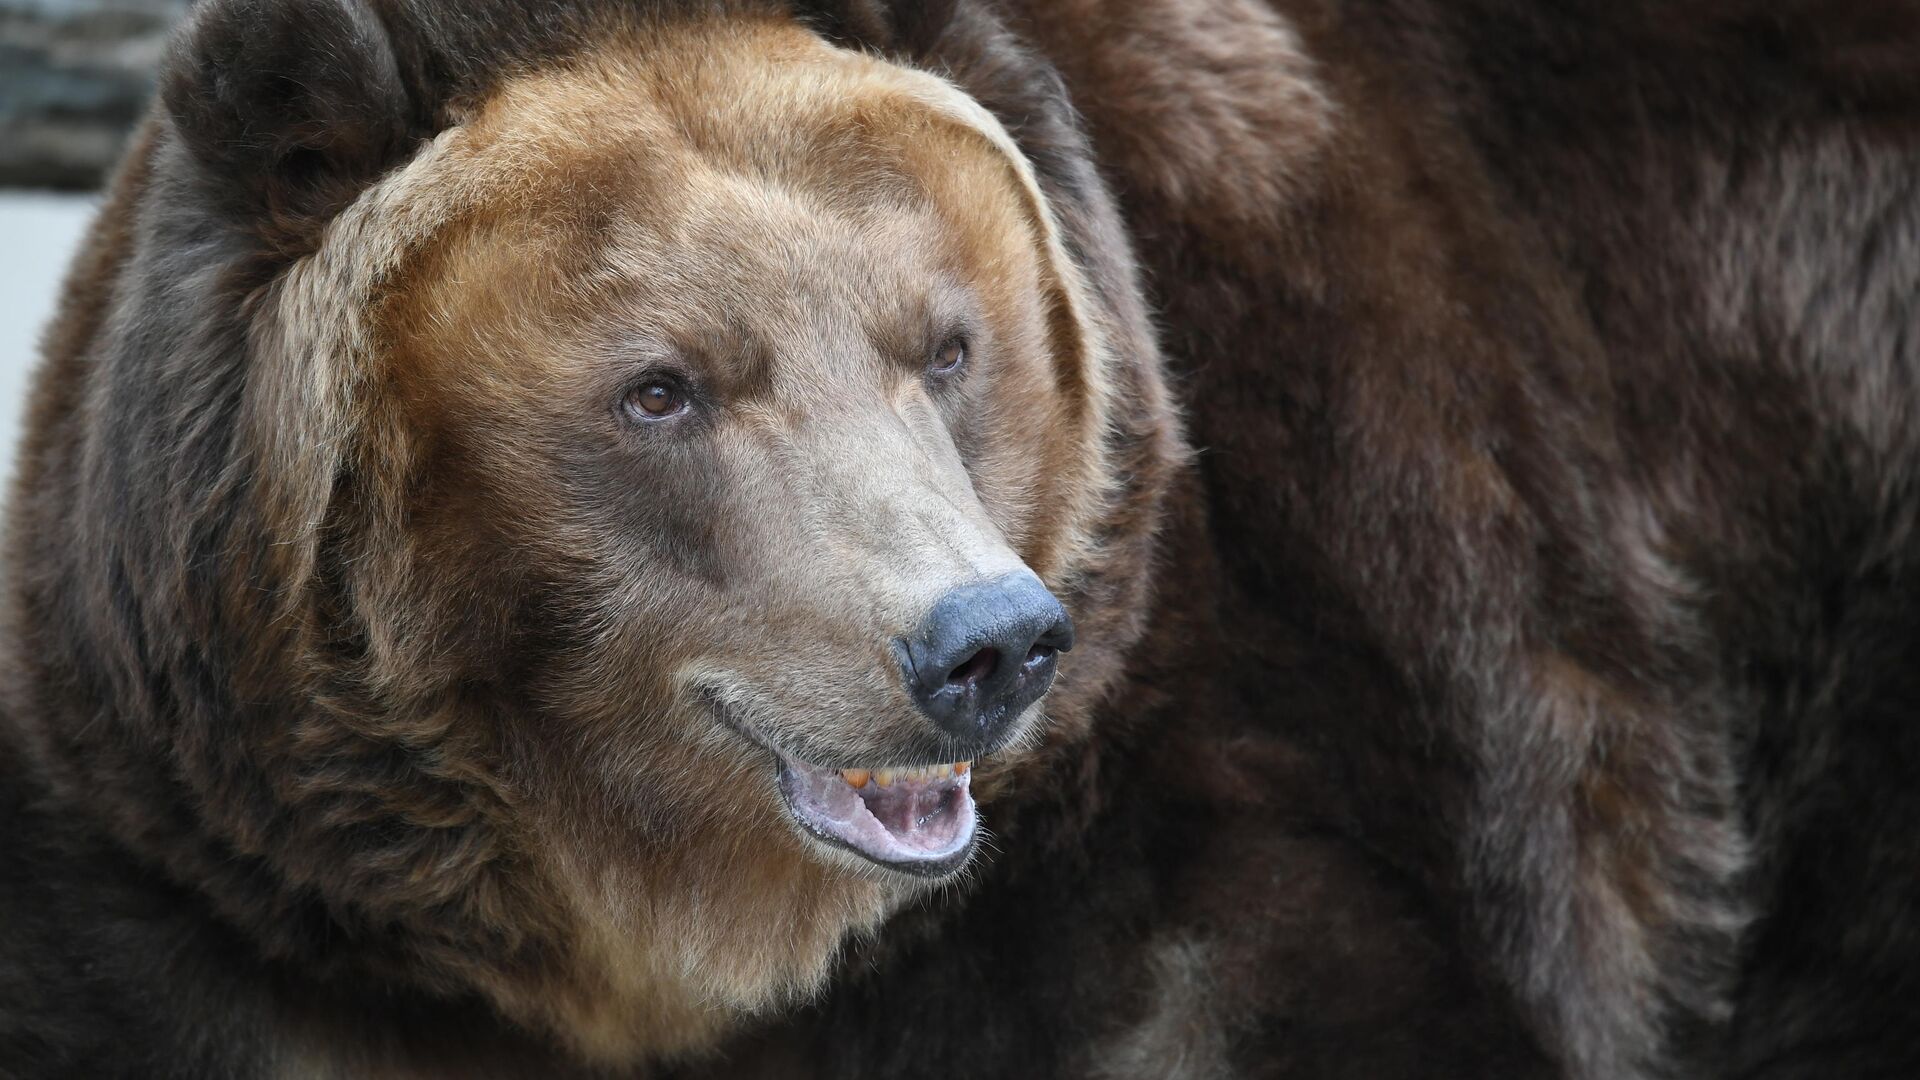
x: 973, y: 668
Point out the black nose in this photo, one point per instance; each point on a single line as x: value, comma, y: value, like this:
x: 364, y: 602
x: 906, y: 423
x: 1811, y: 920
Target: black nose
x: 984, y: 653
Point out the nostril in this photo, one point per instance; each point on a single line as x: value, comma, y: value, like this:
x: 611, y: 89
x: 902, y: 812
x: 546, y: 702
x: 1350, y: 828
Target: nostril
x: 976, y: 668
x: 1038, y: 653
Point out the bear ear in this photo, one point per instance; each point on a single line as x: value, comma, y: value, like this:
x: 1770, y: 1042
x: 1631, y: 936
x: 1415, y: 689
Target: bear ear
x: 909, y: 27
x: 295, y: 105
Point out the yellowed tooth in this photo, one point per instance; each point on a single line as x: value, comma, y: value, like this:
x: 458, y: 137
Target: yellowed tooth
x: 857, y: 777
x: 960, y: 767
x: 883, y: 777
x: 943, y: 771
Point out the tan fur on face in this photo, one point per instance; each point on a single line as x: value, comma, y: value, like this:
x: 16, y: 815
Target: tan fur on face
x: 679, y: 173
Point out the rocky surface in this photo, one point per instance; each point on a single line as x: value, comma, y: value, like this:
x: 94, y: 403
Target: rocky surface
x: 74, y: 76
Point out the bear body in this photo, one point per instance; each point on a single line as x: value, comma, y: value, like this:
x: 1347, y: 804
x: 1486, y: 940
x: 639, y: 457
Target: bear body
x: 1476, y: 443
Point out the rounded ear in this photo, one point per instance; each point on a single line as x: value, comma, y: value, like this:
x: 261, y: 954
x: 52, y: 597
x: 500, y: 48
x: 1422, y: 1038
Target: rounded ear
x: 293, y: 105
x: 909, y: 27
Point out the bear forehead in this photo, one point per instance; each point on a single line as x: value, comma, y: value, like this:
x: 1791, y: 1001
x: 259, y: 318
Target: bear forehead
x: 687, y: 180
x: 723, y: 278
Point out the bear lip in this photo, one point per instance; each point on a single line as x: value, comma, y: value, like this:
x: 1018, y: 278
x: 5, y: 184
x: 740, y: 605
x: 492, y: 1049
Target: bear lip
x: 924, y: 827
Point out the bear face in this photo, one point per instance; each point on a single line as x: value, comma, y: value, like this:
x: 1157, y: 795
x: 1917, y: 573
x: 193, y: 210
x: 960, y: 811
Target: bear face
x: 746, y: 395
x: 710, y: 410
x: 578, y: 503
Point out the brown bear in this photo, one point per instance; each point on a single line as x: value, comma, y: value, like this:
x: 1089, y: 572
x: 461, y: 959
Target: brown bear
x: 1087, y: 538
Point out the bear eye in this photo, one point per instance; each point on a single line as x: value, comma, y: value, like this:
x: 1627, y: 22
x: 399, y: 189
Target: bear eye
x: 949, y: 357
x: 656, y: 399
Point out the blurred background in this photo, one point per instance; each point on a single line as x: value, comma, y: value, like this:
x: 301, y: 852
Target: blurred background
x: 74, y: 76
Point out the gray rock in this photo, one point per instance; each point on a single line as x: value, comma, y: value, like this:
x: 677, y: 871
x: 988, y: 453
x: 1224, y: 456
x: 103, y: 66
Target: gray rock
x: 74, y: 77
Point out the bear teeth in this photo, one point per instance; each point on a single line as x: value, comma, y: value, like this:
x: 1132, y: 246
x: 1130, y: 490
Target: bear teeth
x: 859, y: 778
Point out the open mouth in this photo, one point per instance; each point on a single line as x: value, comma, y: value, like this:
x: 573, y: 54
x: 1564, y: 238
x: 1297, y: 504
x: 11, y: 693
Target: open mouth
x: 917, y: 821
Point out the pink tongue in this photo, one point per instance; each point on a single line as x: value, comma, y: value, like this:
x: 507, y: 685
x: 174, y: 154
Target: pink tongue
x: 912, y: 824
x: 905, y: 807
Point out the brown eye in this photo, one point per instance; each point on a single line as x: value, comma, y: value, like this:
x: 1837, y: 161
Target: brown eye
x: 948, y: 357
x: 656, y: 400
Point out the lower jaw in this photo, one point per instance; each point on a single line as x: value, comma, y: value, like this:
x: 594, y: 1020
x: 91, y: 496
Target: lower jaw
x: 923, y: 826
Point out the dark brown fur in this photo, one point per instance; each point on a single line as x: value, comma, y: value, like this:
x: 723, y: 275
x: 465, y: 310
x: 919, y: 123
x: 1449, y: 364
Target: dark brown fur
x: 1525, y: 684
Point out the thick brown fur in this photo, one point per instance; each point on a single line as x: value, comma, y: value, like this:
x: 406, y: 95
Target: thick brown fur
x: 1512, y: 680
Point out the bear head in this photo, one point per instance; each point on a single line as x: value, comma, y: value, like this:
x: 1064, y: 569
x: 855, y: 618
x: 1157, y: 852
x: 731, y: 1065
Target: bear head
x: 580, y: 512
